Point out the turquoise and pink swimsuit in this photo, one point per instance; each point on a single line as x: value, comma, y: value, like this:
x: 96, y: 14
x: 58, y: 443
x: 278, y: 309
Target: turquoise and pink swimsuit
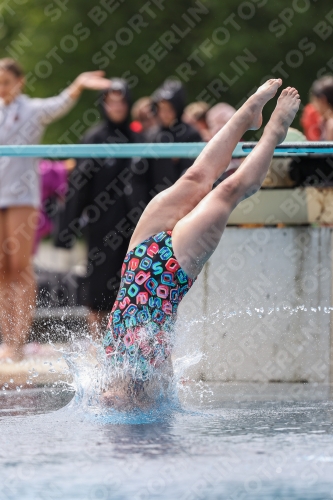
x: 139, y: 336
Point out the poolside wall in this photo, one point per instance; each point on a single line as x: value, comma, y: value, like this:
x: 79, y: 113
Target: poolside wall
x: 259, y: 296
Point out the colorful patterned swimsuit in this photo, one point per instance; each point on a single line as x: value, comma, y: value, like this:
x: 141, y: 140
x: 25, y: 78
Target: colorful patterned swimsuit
x: 140, y: 330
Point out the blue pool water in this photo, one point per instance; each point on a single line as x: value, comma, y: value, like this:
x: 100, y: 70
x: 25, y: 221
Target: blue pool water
x: 231, y: 441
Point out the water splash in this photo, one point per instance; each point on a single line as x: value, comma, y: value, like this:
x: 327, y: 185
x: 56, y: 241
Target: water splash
x: 93, y: 376
x: 100, y: 389
x: 104, y: 395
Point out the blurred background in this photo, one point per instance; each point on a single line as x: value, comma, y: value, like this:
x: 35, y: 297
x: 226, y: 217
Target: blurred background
x: 219, y: 50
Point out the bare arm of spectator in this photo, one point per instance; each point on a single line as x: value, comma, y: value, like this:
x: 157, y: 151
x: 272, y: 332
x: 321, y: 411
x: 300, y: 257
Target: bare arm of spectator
x: 329, y: 130
x: 52, y: 108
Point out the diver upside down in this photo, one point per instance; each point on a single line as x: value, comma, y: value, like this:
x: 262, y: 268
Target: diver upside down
x: 180, y: 229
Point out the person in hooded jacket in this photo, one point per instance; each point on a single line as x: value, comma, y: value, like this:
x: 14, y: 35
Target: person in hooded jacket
x: 105, y: 192
x: 169, y: 102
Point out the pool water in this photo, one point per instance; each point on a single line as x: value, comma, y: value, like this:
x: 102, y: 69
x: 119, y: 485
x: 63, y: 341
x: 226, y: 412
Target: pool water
x: 230, y: 441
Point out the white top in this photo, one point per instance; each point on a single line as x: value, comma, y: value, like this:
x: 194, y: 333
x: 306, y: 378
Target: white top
x: 23, y: 122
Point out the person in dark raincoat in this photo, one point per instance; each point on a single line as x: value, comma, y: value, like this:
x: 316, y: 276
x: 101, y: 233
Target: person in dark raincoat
x: 169, y: 102
x: 107, y: 196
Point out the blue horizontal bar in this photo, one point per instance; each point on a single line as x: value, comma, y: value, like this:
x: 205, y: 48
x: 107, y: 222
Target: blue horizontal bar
x: 151, y: 150
x: 174, y: 150
x: 323, y: 148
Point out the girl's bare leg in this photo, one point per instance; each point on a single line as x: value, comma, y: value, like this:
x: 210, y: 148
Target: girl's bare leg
x: 19, y: 281
x: 168, y: 207
x: 196, y: 236
x: 5, y: 305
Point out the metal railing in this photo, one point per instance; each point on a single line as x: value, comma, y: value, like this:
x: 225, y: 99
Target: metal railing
x: 161, y: 150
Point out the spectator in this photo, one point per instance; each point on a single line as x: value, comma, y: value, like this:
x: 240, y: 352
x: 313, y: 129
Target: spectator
x: 218, y: 116
x: 23, y: 121
x: 195, y: 114
x: 311, y: 122
x: 322, y: 99
x: 53, y: 182
x: 144, y: 118
x: 100, y: 192
x: 169, y: 103
x: 317, y: 121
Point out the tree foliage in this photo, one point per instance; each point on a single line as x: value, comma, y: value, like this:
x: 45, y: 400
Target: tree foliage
x: 220, y: 50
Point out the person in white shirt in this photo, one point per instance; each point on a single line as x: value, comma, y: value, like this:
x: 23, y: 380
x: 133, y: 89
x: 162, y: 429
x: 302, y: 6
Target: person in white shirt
x: 23, y: 121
